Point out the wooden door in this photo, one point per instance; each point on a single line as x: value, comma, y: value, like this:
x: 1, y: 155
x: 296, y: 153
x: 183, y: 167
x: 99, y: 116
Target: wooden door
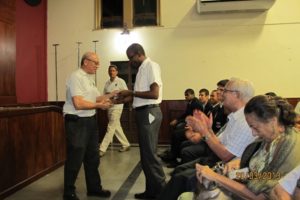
x: 128, y: 73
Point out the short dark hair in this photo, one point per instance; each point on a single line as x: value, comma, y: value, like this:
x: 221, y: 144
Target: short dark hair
x: 272, y: 94
x: 204, y: 90
x: 136, y: 48
x: 223, y: 82
x: 189, y: 91
x: 113, y: 66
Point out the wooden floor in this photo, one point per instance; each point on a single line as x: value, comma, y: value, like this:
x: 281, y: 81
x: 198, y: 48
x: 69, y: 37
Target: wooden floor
x: 120, y: 173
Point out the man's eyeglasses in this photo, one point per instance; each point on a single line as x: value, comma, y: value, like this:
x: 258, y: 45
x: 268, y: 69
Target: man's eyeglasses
x: 95, y: 62
x: 131, y: 57
x: 227, y: 90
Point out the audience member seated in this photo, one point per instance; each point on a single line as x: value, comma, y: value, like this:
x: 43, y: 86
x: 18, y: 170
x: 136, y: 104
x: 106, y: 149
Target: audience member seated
x: 288, y: 187
x: 218, y: 112
x: 231, y: 141
x: 204, y: 99
x: 195, y: 144
x: 297, y: 110
x: 213, y: 98
x: 271, y: 156
x: 178, y: 128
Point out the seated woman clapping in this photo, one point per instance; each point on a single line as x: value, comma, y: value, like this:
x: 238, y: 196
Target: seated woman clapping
x: 270, y: 157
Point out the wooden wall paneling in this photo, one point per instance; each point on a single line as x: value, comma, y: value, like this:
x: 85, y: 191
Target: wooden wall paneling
x: 32, y: 144
x: 6, y: 155
x: 7, y: 52
x: 58, y: 137
x: 171, y: 109
x: 293, y: 101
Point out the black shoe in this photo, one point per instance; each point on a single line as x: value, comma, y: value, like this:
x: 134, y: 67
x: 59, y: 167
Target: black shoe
x: 168, y: 158
x: 70, y: 197
x: 173, y: 164
x: 100, y: 193
x: 144, y: 195
x: 166, y: 152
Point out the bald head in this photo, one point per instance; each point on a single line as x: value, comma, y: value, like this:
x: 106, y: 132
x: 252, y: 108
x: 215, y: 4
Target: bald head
x: 90, y: 62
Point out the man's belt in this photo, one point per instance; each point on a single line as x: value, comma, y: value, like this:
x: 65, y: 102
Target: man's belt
x: 76, y: 117
x: 147, y: 106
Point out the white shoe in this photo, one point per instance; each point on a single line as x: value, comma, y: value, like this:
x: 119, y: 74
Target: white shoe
x: 101, y: 153
x: 123, y: 149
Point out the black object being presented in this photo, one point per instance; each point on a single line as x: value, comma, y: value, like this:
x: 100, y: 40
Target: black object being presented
x: 33, y: 2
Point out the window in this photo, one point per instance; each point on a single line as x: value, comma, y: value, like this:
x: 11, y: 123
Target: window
x: 112, y: 13
x: 116, y: 13
x: 145, y: 13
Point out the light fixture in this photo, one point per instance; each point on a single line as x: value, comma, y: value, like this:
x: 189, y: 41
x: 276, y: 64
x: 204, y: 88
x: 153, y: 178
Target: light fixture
x: 125, y: 30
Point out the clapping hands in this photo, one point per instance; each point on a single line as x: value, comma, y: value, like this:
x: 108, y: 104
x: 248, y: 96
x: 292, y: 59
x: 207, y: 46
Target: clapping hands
x: 199, y: 123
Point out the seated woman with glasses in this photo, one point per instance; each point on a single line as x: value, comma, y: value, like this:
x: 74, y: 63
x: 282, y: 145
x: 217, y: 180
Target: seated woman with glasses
x: 270, y: 157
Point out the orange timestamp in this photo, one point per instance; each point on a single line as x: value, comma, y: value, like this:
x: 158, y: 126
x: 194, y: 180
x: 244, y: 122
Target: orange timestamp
x: 258, y: 175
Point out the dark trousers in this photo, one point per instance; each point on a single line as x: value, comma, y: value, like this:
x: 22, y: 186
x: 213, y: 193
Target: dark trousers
x: 148, y: 124
x: 177, y: 137
x: 183, y: 177
x: 82, y: 147
x: 191, y: 151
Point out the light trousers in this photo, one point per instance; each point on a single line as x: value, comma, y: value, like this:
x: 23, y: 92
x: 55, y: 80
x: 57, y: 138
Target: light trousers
x: 114, y: 128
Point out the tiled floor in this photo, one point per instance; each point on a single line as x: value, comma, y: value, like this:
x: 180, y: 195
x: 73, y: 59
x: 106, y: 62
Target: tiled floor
x: 115, y: 168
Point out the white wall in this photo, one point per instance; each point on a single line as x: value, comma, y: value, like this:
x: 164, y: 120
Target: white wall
x: 194, y: 51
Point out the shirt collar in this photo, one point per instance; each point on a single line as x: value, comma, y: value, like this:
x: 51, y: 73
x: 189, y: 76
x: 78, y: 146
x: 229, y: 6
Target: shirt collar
x: 237, y: 114
x: 82, y: 72
x: 145, y: 61
x: 113, y: 80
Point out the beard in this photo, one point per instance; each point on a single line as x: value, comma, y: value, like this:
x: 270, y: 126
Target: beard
x: 135, y: 64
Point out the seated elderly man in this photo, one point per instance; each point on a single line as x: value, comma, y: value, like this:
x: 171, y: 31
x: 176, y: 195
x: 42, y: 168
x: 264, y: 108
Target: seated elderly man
x: 230, y: 143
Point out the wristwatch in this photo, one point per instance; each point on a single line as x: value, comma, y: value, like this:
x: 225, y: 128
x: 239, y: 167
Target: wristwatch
x: 206, y: 137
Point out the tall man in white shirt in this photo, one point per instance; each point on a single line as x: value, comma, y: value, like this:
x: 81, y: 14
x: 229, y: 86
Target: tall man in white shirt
x: 114, y: 113
x: 147, y: 96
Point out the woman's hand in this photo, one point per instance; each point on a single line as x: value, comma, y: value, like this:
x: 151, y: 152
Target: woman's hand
x: 205, y: 172
x: 232, y: 165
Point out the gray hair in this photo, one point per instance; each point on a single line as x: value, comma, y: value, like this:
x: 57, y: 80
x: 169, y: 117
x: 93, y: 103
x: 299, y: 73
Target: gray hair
x: 86, y: 56
x: 244, y: 87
